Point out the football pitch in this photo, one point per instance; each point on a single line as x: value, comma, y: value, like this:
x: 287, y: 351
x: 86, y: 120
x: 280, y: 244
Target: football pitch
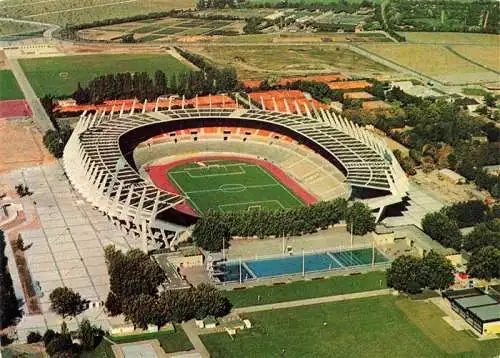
x: 59, y: 76
x: 228, y: 185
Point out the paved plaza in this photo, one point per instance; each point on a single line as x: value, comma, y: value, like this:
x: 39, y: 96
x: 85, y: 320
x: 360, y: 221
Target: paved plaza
x: 421, y: 202
x: 66, y: 248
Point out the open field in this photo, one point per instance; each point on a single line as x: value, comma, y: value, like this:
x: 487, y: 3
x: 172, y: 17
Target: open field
x: 266, y: 61
x: 78, y: 12
x: 9, y: 89
x: 452, y: 38
x: 486, y: 56
x: 59, y: 76
x: 300, y: 290
x: 434, y: 61
x: 231, y: 186
x: 372, y: 327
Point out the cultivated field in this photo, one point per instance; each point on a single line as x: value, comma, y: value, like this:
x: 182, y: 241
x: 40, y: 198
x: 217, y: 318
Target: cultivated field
x: 434, y: 61
x: 231, y: 186
x: 64, y: 12
x: 452, y: 38
x: 373, y: 327
x: 59, y: 76
x: 163, y: 29
x: 486, y: 56
x: 267, y: 61
x: 9, y: 89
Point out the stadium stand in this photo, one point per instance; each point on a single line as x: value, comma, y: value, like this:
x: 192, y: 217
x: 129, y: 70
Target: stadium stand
x: 99, y: 158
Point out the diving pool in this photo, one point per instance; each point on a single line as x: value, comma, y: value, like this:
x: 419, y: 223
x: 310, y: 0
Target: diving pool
x: 292, y: 265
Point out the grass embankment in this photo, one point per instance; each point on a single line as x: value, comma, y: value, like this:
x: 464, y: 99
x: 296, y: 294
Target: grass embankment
x: 301, y: 290
x: 377, y: 327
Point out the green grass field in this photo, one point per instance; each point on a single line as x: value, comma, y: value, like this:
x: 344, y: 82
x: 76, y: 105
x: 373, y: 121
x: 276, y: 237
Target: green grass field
x: 59, y: 76
x: 377, y: 327
x: 231, y: 186
x: 301, y: 290
x: 9, y: 89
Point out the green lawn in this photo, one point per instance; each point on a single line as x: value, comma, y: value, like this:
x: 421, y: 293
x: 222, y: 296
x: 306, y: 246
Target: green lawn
x: 9, y: 89
x: 231, y: 186
x: 59, y: 76
x: 300, y: 290
x: 372, y: 327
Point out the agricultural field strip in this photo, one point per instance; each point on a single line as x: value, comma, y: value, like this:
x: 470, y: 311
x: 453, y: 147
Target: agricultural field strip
x: 457, y: 53
x: 79, y: 8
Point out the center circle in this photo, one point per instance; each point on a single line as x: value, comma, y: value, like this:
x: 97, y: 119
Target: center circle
x: 232, y: 188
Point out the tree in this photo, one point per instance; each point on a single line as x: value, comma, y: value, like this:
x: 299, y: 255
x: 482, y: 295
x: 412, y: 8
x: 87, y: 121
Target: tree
x: 210, y: 302
x: 113, y: 305
x: 130, y: 275
x: 466, y: 213
x: 361, y: 218
x: 66, y: 302
x: 33, y: 337
x: 55, y: 141
x: 58, y: 344
x: 210, y: 232
x: 442, y: 229
x: 9, y: 307
x: 404, y: 274
x: 484, y: 263
x: 484, y: 234
x: 489, y: 100
x: 437, y: 271
x: 81, y: 95
x: 88, y: 335
x: 142, y: 310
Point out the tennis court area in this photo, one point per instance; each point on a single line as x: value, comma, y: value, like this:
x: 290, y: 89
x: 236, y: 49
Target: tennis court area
x: 230, y: 185
x: 298, y: 264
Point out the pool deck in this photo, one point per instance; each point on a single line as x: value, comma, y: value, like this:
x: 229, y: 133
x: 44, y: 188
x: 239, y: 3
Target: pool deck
x: 333, y: 239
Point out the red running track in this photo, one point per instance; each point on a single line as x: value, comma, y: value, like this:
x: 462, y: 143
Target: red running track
x: 158, y: 174
x: 15, y: 108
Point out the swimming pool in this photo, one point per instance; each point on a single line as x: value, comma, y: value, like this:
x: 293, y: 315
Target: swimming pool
x: 292, y: 265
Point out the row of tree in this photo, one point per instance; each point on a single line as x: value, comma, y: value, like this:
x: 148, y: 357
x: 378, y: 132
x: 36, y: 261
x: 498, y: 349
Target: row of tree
x: 134, y: 282
x: 176, y: 306
x: 140, y: 85
x: 411, y: 274
x: 61, y: 345
x: 215, y: 228
x: 9, y: 306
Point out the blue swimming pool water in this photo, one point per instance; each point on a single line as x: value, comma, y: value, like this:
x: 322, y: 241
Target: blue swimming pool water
x: 290, y: 265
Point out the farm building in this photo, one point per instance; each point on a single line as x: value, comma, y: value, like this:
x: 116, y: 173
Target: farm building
x: 478, y: 309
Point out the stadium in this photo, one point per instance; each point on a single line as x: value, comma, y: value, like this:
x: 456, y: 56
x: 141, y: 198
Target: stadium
x: 154, y: 171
